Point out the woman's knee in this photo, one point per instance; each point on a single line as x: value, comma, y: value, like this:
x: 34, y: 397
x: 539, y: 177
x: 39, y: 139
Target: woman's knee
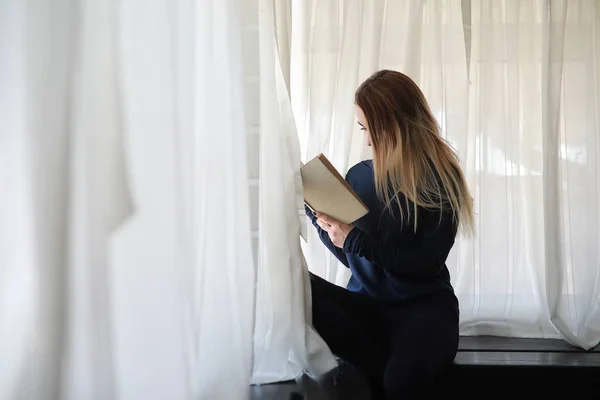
x: 324, y: 305
x: 319, y: 286
x: 319, y: 296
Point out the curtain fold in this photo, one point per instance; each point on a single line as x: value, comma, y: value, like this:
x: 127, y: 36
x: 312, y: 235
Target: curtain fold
x: 285, y: 344
x: 66, y: 191
x: 191, y: 245
x: 100, y: 99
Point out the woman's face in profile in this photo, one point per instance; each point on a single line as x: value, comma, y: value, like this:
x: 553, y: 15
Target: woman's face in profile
x: 362, y: 123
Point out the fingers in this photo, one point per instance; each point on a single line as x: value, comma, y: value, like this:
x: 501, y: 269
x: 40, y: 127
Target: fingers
x: 324, y: 225
x: 326, y: 219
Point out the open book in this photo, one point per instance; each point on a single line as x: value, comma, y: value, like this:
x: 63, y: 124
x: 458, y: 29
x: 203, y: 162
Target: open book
x: 327, y: 192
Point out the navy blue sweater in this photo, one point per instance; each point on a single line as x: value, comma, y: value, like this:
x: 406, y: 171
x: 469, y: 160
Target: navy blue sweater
x: 387, y: 258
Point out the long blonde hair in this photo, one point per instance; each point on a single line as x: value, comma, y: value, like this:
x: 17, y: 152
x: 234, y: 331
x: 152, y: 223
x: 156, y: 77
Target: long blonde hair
x: 409, y: 154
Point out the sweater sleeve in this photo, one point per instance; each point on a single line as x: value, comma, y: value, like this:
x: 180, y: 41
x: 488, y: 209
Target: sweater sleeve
x: 337, y: 252
x: 416, y: 261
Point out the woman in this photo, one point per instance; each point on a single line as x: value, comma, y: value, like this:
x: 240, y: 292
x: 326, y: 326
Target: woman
x: 397, y: 321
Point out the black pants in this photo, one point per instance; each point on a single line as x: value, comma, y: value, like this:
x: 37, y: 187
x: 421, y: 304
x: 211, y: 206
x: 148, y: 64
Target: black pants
x: 401, y: 347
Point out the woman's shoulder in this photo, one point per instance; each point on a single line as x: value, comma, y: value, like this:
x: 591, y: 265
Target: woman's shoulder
x: 360, y: 169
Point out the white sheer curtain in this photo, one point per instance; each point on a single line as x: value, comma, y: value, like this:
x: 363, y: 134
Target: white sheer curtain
x: 285, y: 346
x: 515, y: 86
x: 187, y: 258
x: 533, y: 138
x: 100, y: 100
x: 64, y: 191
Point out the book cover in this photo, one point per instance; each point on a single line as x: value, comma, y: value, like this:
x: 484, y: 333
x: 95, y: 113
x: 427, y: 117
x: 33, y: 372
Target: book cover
x: 327, y: 192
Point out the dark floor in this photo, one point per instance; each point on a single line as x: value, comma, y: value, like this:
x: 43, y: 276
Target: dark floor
x: 484, y: 368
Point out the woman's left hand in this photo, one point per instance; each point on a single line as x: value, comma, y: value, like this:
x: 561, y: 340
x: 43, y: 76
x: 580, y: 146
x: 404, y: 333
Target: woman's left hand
x: 337, y: 231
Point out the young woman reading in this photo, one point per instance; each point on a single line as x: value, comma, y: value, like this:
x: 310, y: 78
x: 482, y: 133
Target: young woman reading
x: 397, y: 321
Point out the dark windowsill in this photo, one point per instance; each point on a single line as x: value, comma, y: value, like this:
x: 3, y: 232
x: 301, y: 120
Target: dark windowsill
x: 500, y: 351
x: 504, y: 366
x: 494, y: 343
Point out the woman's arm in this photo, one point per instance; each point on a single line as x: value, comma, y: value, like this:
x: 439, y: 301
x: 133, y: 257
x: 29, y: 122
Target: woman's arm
x: 422, y: 260
x: 337, y: 252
